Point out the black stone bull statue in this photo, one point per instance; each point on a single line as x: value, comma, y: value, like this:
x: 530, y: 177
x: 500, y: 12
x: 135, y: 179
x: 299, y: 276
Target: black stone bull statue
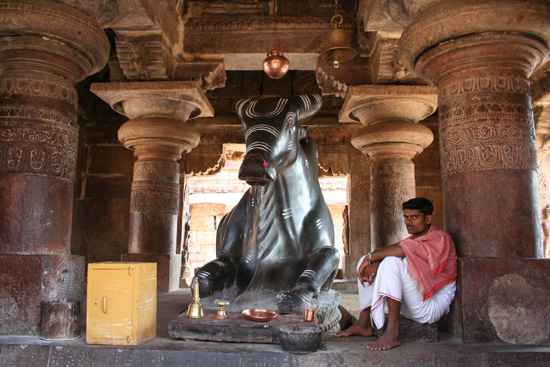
x: 280, y: 236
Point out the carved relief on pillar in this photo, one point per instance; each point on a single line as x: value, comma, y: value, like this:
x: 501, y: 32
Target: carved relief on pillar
x: 393, y: 183
x: 486, y: 119
x: 360, y: 190
x: 141, y: 57
x: 36, y: 85
x: 155, y: 188
x: 156, y: 170
x: 40, y: 138
x: 483, y: 136
x: 155, y: 197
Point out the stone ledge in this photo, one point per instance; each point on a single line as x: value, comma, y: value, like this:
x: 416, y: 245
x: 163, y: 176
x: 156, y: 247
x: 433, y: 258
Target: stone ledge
x: 412, y: 330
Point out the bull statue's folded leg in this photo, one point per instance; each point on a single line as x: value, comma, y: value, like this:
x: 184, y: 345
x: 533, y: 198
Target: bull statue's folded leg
x: 317, y: 277
x: 215, y: 276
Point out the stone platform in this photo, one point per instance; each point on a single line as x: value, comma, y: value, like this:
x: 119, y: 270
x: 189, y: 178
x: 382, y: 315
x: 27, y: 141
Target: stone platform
x: 164, y: 351
x: 236, y: 328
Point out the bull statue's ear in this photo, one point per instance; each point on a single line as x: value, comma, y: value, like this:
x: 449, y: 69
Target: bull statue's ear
x: 310, y: 105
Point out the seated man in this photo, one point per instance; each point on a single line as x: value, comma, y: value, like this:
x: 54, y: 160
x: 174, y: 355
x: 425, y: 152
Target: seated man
x: 416, y: 276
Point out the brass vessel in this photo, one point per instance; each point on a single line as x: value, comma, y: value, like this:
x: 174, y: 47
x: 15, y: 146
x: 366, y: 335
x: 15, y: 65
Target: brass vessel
x: 221, y: 312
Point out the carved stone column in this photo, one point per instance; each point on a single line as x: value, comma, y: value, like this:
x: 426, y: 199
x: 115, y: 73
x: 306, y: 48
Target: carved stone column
x: 391, y: 137
x: 480, y: 55
x: 45, y: 48
x: 158, y: 135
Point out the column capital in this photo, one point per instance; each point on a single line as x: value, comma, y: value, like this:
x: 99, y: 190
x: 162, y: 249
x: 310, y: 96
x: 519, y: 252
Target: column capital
x: 371, y: 104
x: 495, y: 25
x: 158, y: 136
x: 43, y: 35
x: 179, y: 100
x: 392, y: 139
x: 391, y: 115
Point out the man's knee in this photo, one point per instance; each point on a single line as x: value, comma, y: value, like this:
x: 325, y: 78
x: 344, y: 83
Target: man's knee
x: 392, y: 261
x: 391, y: 264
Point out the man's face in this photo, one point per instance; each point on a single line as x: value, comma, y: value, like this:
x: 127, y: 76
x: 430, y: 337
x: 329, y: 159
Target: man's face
x: 417, y: 223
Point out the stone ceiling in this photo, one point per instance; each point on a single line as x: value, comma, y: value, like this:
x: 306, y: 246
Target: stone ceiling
x: 202, y: 40
x: 222, y: 44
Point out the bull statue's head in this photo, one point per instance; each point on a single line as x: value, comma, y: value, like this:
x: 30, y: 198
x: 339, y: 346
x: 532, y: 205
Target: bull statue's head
x: 272, y: 134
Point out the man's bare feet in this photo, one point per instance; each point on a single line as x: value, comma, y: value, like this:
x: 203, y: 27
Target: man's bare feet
x: 355, y: 330
x: 385, y: 342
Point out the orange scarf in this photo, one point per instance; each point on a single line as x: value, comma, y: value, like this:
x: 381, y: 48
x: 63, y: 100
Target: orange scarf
x: 431, y: 260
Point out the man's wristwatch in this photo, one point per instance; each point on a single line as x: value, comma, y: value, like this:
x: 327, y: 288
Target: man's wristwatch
x: 370, y: 257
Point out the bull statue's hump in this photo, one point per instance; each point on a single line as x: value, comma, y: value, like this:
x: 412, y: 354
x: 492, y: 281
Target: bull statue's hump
x: 280, y: 236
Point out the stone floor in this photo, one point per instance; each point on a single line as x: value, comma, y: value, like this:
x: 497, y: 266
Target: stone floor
x: 165, y: 351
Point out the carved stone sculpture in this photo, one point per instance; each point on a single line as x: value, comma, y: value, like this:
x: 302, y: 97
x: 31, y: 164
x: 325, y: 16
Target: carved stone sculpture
x: 280, y: 236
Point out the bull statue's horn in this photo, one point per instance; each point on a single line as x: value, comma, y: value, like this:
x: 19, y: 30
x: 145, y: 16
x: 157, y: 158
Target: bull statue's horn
x: 311, y: 104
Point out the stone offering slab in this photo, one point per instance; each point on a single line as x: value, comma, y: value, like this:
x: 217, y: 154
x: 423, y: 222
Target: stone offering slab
x: 235, y: 328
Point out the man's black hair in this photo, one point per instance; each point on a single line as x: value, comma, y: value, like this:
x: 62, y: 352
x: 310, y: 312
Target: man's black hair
x: 421, y: 204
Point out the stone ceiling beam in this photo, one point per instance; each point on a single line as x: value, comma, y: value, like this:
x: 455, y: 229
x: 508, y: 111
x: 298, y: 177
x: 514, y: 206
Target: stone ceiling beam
x: 245, y: 41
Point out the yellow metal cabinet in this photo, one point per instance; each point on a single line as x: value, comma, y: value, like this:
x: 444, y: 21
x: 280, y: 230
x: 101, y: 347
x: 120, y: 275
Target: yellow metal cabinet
x: 122, y: 303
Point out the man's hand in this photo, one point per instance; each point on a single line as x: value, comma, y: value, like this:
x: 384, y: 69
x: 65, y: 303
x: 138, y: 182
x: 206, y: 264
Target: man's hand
x: 367, y: 271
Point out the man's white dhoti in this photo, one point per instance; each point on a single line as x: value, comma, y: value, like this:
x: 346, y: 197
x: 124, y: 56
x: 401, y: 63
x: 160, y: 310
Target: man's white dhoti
x: 393, y: 280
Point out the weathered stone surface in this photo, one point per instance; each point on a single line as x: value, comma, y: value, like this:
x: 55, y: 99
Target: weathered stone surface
x: 111, y: 160
x: 412, y: 330
x: 112, y: 186
x: 60, y: 319
x: 27, y: 280
x: 502, y: 299
x: 235, y: 328
x: 106, y: 235
x: 518, y: 311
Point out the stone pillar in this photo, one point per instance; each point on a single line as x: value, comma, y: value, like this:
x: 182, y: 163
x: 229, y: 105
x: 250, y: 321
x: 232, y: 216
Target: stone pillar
x: 45, y: 48
x: 391, y: 137
x: 480, y: 55
x: 359, y: 216
x: 158, y: 135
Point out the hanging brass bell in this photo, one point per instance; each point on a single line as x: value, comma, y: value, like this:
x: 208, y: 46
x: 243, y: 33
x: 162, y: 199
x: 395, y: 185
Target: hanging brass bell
x: 339, y: 47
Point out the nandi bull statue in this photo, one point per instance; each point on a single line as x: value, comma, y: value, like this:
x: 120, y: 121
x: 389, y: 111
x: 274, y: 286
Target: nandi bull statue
x: 280, y: 237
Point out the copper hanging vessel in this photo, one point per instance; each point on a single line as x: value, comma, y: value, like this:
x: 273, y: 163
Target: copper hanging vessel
x: 276, y: 65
